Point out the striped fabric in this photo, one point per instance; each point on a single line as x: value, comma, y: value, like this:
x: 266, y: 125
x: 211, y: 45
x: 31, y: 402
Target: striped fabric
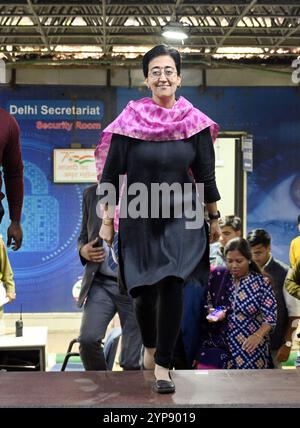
x: 112, y: 260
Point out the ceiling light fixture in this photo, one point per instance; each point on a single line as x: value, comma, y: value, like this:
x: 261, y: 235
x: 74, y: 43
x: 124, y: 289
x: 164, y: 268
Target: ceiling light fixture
x: 175, y: 31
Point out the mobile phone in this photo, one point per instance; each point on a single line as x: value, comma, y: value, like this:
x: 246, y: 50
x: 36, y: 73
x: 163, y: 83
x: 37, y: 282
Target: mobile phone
x: 216, y: 314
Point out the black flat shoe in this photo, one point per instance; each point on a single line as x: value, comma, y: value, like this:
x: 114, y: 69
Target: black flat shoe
x: 164, y: 386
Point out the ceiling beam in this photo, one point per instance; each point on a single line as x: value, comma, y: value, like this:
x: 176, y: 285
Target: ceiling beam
x: 39, y: 26
x: 235, y: 23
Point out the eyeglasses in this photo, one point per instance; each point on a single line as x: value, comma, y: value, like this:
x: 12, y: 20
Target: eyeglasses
x: 157, y: 72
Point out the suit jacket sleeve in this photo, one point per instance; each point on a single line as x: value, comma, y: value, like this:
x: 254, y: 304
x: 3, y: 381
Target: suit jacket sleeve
x: 83, y: 237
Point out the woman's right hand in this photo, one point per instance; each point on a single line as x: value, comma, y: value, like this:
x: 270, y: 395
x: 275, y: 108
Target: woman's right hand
x: 107, y: 233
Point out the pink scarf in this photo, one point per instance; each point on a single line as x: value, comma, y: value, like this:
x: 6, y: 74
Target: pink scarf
x: 145, y: 120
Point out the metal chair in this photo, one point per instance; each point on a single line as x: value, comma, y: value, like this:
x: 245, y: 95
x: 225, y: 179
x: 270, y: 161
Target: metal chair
x: 110, y: 349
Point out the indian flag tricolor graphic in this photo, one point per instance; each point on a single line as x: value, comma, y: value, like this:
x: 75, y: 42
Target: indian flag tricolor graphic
x: 82, y: 159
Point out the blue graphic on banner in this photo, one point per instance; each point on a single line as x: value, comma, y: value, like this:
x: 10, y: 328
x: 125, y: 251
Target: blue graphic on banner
x: 41, y: 212
x: 47, y: 267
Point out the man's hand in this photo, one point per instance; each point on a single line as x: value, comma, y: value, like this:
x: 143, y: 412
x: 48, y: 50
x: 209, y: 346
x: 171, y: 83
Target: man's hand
x: 15, y: 233
x: 91, y: 253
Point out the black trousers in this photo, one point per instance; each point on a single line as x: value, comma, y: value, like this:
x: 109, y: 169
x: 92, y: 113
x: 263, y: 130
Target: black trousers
x: 158, y: 312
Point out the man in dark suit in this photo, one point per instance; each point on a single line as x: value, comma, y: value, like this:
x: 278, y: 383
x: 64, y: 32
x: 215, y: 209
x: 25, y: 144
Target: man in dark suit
x: 260, y: 243
x: 100, y: 296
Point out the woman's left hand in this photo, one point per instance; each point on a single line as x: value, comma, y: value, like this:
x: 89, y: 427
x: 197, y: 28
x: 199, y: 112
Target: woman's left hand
x: 251, y: 343
x: 214, y: 231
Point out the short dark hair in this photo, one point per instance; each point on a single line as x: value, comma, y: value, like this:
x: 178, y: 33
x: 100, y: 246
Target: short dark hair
x: 231, y: 221
x: 258, y: 237
x: 158, y: 51
x: 241, y: 245
x: 298, y: 218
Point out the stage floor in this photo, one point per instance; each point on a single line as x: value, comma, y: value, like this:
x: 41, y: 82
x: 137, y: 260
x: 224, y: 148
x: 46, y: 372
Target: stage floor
x: 215, y: 388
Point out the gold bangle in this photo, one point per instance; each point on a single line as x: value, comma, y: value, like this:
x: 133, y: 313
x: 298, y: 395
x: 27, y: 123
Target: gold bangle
x: 107, y: 221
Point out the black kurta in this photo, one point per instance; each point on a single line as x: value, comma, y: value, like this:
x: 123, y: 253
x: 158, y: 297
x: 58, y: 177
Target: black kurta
x: 151, y: 249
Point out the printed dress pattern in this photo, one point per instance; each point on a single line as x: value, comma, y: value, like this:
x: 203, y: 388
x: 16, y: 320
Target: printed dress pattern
x: 251, y: 304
